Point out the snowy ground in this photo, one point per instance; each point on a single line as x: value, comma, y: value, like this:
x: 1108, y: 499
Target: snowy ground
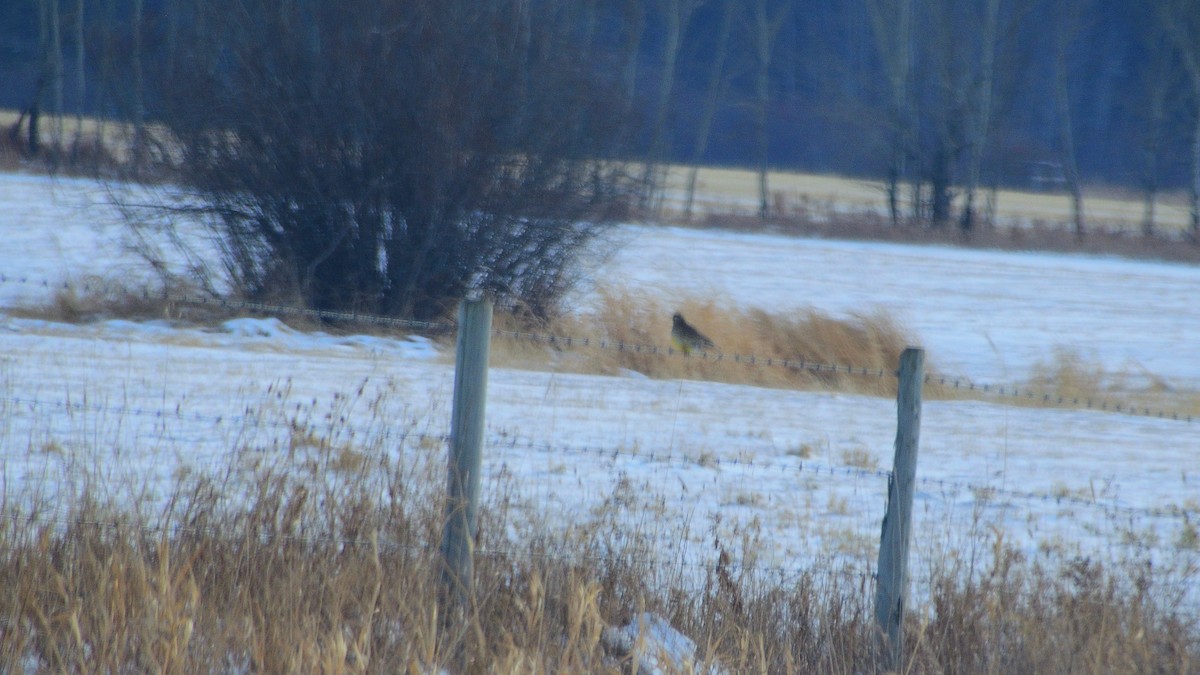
x: 126, y: 408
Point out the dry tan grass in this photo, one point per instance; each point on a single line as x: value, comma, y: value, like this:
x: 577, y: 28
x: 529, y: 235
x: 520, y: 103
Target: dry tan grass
x: 751, y: 344
x: 319, y: 564
x: 870, y: 343
x: 1069, y: 378
x: 292, y: 580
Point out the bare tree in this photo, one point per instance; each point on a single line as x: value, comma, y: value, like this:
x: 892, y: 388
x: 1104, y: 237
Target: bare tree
x: 56, y: 72
x: 1181, y: 19
x: 944, y: 108
x: 80, y: 71
x: 34, y: 109
x: 941, y: 92
x: 103, y: 84
x: 892, y: 27
x: 675, y: 14
x: 139, y: 82
x: 712, y: 95
x: 1066, y: 30
x: 1158, y: 76
x: 925, y: 65
x: 766, y: 20
x: 979, y: 121
x: 634, y: 29
x: 390, y: 156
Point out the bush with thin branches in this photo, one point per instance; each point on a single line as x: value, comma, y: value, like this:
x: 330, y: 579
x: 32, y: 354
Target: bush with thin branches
x: 388, y: 157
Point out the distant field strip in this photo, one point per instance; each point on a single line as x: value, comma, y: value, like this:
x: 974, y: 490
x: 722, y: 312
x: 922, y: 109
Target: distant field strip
x: 113, y: 136
x: 736, y: 191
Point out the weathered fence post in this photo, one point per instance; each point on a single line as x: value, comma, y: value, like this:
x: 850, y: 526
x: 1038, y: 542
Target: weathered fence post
x: 466, y: 441
x: 891, y: 590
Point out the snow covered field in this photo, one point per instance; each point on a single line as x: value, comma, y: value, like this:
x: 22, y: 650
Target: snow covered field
x: 125, y: 409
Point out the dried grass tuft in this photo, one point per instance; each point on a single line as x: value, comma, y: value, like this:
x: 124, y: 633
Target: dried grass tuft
x: 752, y: 344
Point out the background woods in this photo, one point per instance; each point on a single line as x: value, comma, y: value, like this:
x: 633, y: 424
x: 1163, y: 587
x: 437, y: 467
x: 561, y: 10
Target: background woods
x: 922, y: 87
x: 385, y: 156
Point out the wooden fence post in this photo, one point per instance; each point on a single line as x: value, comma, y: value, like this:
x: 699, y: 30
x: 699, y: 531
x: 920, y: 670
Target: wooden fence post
x: 891, y: 590
x: 466, y: 441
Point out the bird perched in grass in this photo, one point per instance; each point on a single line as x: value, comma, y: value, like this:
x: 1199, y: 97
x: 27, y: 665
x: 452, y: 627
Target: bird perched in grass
x: 685, y: 338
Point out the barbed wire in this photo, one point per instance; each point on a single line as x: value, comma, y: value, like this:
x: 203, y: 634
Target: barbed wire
x: 250, y: 418
x: 958, y: 383
x: 65, y: 519
x: 436, y: 327
x: 984, y: 493
x: 1018, y: 392
x: 569, y: 341
x: 801, y: 466
x: 506, y: 440
x: 443, y: 327
x: 1012, y: 392
x: 247, y: 305
x: 247, y: 420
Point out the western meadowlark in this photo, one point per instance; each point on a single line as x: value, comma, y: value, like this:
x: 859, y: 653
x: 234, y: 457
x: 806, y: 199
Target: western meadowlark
x: 685, y: 338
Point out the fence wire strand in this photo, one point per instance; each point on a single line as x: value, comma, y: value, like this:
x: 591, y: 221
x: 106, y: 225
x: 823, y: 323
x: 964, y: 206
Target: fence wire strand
x: 572, y: 342
x: 1019, y: 393
x: 67, y: 520
x: 504, y: 440
x: 955, y: 383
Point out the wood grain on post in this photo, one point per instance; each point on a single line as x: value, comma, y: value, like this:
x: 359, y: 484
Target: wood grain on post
x: 891, y: 590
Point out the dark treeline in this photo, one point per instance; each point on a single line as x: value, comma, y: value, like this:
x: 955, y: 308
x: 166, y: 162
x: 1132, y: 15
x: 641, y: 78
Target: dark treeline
x: 950, y: 95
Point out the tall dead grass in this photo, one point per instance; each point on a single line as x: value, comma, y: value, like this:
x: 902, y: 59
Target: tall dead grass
x: 1070, y: 378
x: 292, y: 578
x: 752, y: 345
x: 325, y: 558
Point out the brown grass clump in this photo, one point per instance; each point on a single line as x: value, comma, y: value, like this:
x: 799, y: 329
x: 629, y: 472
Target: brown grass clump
x: 1070, y: 378
x: 753, y: 346
x: 1082, y: 616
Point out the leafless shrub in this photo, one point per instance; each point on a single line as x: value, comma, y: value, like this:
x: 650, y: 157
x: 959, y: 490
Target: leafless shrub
x: 387, y: 157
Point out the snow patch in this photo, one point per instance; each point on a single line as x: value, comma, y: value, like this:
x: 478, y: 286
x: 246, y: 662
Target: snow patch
x: 657, y: 647
x: 258, y: 328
